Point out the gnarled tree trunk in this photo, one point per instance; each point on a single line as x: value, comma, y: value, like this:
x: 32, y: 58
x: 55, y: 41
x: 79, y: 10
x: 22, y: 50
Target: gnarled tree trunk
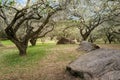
x: 20, y: 44
x: 85, y: 35
x: 22, y: 47
x: 25, y: 15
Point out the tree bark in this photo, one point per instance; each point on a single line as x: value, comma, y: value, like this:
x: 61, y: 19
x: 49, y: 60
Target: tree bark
x: 33, y: 41
x: 20, y: 44
x: 110, y: 38
x: 85, y: 36
x: 22, y: 47
x: 110, y: 41
x: 105, y: 41
x: 22, y: 51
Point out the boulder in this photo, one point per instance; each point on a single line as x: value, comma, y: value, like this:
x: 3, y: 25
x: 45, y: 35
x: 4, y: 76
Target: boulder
x: 65, y: 41
x: 100, y: 64
x: 87, y: 46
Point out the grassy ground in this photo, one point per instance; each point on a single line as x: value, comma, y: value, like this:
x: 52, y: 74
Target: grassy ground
x: 43, y: 62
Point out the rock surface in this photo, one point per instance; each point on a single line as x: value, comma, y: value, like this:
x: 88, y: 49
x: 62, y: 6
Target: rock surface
x: 65, y: 41
x: 100, y: 64
x: 87, y: 46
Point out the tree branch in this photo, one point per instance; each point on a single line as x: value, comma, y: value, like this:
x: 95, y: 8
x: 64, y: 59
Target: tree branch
x: 46, y: 32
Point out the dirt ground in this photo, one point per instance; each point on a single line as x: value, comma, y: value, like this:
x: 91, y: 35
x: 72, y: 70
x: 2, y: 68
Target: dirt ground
x: 51, y: 67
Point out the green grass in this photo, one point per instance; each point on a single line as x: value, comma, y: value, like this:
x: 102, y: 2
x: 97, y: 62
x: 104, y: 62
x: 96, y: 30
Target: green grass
x: 41, y: 60
x: 11, y: 58
x: 7, y: 42
x: 11, y: 62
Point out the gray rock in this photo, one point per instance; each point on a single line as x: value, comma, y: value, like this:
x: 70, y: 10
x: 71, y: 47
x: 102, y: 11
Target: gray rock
x: 112, y: 75
x: 65, y: 41
x: 87, y: 46
x: 100, y: 64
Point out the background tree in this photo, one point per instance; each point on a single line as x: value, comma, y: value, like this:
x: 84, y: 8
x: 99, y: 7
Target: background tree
x: 109, y: 32
x: 55, y: 18
x: 48, y: 28
x: 64, y: 29
x: 90, y: 14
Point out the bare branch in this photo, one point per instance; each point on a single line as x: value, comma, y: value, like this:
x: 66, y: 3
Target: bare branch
x: 11, y: 7
x: 4, y: 16
x: 47, y: 32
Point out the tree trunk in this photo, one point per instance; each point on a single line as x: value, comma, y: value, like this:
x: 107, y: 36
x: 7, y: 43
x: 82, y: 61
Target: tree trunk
x: 33, y: 41
x: 105, y: 41
x: 22, y: 47
x: 91, y: 39
x: 22, y: 51
x: 52, y: 37
x: 110, y: 41
x: 85, y: 36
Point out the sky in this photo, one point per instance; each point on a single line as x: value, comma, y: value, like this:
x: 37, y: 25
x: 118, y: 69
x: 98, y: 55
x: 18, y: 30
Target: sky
x: 22, y: 1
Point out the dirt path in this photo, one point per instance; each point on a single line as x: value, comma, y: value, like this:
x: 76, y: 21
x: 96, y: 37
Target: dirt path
x: 53, y: 67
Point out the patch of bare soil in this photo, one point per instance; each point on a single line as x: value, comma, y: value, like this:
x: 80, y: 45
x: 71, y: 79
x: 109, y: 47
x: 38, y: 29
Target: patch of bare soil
x: 7, y: 47
x: 110, y: 46
x: 51, y: 67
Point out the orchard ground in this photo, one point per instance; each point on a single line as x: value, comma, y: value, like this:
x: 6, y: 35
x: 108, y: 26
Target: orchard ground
x: 45, y: 61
